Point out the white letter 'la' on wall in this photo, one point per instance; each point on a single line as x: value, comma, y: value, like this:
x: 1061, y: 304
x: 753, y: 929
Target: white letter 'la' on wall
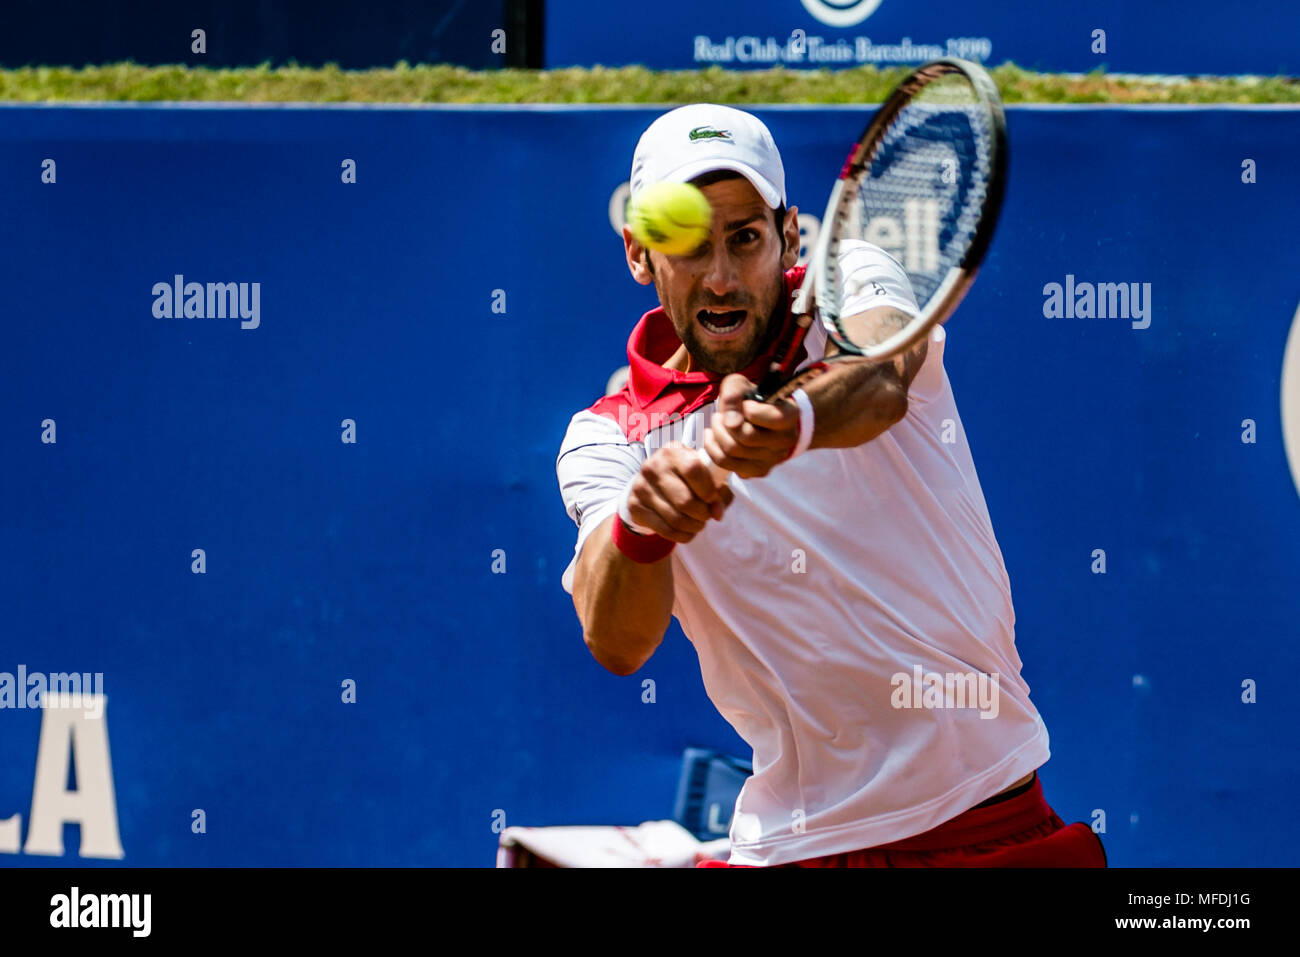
x: 73, y: 731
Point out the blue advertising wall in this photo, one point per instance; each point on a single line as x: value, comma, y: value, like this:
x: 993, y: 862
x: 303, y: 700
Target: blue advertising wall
x: 251, y: 32
x: 457, y: 304
x: 1155, y: 36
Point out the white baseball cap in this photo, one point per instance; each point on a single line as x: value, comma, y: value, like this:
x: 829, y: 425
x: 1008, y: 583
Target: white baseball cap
x: 690, y: 140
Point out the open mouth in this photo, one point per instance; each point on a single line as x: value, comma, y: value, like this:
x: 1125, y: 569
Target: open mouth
x: 721, y: 322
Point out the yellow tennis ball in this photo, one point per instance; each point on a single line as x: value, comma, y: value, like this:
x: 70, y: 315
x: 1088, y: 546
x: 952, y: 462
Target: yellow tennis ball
x: 672, y: 218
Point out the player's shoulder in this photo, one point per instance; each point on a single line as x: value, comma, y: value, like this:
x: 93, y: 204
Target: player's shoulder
x: 860, y: 254
x: 622, y: 419
x: 607, y: 421
x: 859, y: 258
x: 589, y: 427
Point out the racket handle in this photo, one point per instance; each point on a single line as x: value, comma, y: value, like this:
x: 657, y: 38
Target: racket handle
x: 769, y: 384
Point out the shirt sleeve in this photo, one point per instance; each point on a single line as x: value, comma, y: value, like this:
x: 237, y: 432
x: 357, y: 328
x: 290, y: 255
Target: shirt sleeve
x: 870, y: 278
x: 595, y: 463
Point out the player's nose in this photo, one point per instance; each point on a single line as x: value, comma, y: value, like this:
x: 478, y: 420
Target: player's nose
x: 721, y: 277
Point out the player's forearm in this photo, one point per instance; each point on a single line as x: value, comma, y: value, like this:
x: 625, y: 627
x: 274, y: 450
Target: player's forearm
x: 625, y: 607
x: 852, y: 403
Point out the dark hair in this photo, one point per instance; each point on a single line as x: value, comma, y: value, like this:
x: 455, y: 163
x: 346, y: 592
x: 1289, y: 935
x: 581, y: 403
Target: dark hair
x: 716, y: 176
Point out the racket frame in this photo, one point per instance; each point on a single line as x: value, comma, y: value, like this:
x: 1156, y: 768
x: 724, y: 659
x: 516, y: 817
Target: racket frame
x: 953, y: 287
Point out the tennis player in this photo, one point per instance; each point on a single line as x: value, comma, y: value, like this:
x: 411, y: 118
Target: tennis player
x: 844, y: 589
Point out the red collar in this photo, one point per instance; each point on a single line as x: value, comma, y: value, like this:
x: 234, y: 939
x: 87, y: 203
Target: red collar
x: 653, y: 342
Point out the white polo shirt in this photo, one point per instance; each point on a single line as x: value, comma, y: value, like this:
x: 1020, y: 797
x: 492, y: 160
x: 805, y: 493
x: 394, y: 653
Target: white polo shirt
x: 851, y: 611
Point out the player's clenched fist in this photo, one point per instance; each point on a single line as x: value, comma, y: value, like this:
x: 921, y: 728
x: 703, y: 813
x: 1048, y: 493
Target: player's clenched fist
x: 674, y: 495
x: 749, y: 437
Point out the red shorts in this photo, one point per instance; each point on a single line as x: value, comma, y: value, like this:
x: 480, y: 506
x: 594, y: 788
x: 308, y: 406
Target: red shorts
x: 1020, y: 831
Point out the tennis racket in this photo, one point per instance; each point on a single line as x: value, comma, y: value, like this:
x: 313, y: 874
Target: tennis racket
x: 924, y: 184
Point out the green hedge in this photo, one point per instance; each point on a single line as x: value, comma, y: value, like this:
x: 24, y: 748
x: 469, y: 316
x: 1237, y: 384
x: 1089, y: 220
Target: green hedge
x: 445, y: 84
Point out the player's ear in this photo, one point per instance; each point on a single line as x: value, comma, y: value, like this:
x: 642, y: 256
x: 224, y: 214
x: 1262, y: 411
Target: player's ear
x: 638, y: 258
x: 791, y: 231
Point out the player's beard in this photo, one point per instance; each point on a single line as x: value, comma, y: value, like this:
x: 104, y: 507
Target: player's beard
x: 727, y: 362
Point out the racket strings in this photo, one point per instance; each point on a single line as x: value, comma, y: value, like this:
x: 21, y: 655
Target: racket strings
x: 919, y: 198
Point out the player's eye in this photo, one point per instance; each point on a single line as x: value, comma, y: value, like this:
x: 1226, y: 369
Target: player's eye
x: 746, y: 236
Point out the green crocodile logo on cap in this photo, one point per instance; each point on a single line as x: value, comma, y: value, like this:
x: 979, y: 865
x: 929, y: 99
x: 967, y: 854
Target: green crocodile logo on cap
x: 709, y: 133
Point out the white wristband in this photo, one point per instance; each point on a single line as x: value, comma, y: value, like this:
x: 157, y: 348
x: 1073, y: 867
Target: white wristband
x: 625, y: 516
x: 804, y: 403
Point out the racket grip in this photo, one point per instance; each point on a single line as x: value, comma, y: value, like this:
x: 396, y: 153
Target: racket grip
x: 721, y: 475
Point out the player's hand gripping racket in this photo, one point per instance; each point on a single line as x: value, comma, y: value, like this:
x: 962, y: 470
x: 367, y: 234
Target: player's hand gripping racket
x: 924, y: 182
